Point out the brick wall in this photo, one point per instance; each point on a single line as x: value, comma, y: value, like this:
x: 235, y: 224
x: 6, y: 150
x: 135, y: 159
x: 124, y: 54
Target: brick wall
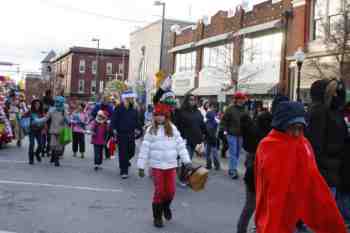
x: 68, y: 66
x: 35, y: 87
x: 297, y: 31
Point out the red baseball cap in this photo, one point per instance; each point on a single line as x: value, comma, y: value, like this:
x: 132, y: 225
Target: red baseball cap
x: 240, y: 96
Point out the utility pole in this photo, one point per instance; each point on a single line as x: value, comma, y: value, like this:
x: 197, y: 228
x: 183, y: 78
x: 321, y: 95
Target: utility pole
x: 159, y: 3
x: 123, y: 61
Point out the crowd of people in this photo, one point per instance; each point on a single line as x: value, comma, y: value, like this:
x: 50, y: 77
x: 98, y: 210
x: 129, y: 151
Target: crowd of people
x: 297, y: 161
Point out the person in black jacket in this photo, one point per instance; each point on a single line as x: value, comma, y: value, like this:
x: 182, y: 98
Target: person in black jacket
x: 329, y: 137
x: 253, y: 131
x: 190, y: 122
x: 125, y: 123
x: 327, y: 130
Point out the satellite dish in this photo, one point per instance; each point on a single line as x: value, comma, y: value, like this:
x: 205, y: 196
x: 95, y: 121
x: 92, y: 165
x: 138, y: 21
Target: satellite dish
x: 175, y: 28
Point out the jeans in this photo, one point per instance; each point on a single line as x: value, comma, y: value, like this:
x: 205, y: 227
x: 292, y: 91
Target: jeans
x: 343, y: 200
x: 98, y: 151
x: 164, y: 185
x: 212, y: 152
x: 235, y: 145
x: 78, y: 142
x: 247, y: 212
x: 35, y: 136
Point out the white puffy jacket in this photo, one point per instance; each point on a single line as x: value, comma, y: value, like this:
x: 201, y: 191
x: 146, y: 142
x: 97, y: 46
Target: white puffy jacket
x: 161, y: 151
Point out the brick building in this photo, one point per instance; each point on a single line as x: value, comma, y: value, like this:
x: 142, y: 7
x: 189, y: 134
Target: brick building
x: 35, y: 86
x: 253, y: 48
x: 83, y: 73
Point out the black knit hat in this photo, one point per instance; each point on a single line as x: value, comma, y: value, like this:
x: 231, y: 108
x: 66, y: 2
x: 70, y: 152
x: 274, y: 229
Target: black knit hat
x: 287, y: 112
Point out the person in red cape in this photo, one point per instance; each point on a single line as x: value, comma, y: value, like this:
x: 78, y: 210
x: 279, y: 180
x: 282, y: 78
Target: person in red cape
x: 289, y: 187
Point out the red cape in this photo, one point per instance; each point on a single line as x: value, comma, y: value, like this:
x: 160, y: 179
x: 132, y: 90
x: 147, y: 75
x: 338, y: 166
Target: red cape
x: 290, y: 188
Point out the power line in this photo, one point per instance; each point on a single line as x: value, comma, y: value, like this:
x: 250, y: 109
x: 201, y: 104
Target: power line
x: 98, y: 15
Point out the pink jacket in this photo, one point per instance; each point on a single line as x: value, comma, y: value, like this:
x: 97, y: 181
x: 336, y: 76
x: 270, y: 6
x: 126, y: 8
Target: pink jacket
x: 99, y: 133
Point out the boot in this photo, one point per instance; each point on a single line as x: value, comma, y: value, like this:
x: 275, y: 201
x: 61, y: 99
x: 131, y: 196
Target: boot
x: 55, y: 158
x: 38, y: 158
x: 157, y: 215
x: 167, y: 211
x: 31, y: 159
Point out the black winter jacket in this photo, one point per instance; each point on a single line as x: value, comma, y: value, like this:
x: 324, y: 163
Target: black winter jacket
x: 327, y: 132
x: 253, y: 131
x: 191, y: 125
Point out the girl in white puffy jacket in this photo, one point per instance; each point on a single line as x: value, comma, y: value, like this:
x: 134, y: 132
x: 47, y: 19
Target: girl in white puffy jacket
x: 161, y: 147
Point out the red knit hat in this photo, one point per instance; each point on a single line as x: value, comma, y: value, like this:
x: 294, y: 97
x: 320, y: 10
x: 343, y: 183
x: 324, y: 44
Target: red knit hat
x: 240, y: 96
x: 162, y: 109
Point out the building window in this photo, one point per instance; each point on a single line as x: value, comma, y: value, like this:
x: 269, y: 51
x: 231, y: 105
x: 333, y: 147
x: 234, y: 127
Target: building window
x: 82, y: 66
x: 81, y: 86
x: 109, y: 68
x: 218, y: 57
x: 121, y: 69
x: 93, y: 87
x: 94, y: 67
x: 327, y: 16
x: 262, y: 49
x: 185, y: 62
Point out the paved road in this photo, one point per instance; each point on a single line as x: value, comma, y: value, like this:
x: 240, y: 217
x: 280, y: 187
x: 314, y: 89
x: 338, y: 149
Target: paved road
x: 75, y: 199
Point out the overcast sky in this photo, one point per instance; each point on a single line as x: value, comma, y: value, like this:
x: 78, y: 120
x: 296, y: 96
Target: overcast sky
x: 29, y: 27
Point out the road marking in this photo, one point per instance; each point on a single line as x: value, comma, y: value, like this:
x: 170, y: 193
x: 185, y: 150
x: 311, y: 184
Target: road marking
x: 6, y: 232
x: 82, y: 188
x: 11, y: 161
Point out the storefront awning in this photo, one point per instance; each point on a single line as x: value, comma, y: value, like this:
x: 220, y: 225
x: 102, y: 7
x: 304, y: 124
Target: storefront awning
x: 259, y: 27
x: 258, y: 88
x: 182, y: 47
x: 183, y: 82
x: 214, y: 39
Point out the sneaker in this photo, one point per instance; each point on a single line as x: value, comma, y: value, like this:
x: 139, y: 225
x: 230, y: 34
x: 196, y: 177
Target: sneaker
x: 125, y: 176
x: 234, y: 175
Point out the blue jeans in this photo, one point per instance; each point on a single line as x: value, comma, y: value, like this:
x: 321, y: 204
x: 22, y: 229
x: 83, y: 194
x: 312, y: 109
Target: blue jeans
x: 343, y: 201
x: 35, y: 136
x: 234, y: 147
x: 212, y: 153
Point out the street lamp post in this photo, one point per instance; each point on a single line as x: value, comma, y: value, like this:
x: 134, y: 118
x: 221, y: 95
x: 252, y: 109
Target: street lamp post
x: 299, y: 58
x: 160, y: 3
x: 123, y: 61
x: 97, y: 63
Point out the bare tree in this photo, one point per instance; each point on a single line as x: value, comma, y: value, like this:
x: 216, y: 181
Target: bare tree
x: 334, y: 31
x: 228, y: 66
